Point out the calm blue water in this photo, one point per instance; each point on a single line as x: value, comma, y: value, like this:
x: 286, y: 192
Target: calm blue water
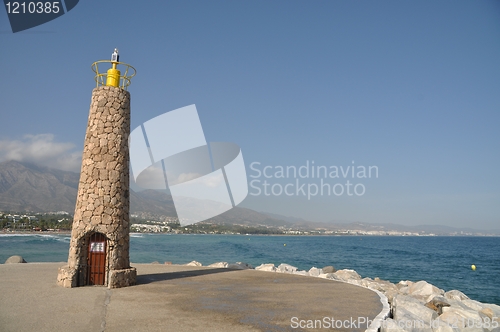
x: 442, y: 261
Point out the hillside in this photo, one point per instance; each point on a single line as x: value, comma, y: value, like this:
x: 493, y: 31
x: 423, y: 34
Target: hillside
x: 29, y: 187
x: 26, y: 187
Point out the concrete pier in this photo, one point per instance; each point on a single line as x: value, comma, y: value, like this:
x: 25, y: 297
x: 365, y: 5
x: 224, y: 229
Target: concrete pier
x: 179, y: 298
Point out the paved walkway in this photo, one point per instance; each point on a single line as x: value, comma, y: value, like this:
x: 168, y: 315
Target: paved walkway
x: 180, y: 298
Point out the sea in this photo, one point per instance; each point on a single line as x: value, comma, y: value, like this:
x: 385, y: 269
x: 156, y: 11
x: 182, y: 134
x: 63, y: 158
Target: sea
x: 442, y: 261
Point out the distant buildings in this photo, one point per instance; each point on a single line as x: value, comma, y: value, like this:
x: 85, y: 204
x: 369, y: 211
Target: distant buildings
x: 17, y: 217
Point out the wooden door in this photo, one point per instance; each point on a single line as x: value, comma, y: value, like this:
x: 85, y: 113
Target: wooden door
x: 96, y: 264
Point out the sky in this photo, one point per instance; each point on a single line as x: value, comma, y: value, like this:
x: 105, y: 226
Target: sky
x: 410, y: 89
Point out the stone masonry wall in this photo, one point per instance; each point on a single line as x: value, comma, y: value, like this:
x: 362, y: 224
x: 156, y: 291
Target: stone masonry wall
x: 103, y: 192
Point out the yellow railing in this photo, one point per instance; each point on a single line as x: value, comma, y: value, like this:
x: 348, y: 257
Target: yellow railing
x: 125, y: 76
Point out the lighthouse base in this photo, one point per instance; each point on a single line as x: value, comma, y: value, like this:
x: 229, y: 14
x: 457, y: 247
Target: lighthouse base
x: 69, y: 277
x: 122, y: 278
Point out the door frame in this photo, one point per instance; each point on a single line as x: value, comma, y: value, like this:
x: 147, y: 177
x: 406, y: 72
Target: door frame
x: 97, y: 260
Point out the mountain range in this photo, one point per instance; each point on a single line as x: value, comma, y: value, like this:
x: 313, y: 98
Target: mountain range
x: 27, y: 187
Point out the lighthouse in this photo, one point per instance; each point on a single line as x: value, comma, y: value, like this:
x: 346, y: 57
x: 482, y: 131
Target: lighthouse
x: 99, y: 246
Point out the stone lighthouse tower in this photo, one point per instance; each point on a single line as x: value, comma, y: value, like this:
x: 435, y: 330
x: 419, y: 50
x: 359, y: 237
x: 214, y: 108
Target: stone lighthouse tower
x: 99, y: 247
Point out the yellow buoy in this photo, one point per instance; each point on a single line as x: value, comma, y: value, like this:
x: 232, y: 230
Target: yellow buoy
x: 284, y: 244
x: 473, y: 267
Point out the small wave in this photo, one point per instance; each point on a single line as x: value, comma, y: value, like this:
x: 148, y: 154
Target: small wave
x: 33, y: 238
x: 15, y: 234
x: 45, y: 237
x: 48, y: 237
x: 65, y: 239
x: 136, y: 235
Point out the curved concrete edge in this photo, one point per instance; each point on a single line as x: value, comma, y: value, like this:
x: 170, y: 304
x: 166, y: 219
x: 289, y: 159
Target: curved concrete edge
x: 377, y: 321
x: 386, y: 308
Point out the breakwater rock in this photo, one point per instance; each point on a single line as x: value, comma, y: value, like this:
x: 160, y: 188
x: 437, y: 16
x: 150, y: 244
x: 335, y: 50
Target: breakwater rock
x: 415, y: 306
x: 15, y: 260
x: 408, y: 306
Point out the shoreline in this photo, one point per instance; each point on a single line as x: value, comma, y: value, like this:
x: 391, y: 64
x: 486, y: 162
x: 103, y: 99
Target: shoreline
x: 32, y: 232
x: 68, y: 232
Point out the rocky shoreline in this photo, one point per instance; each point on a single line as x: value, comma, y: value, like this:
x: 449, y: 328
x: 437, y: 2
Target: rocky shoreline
x: 408, y: 306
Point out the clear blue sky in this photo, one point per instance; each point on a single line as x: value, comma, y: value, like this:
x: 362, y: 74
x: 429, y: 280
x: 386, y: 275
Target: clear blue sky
x: 411, y: 87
